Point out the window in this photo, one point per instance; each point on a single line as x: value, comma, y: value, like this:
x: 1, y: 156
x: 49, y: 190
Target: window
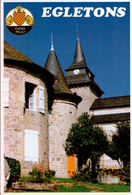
x: 6, y: 92
x: 29, y: 96
x: 31, y: 146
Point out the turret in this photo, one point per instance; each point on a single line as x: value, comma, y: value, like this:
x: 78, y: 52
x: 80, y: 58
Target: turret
x: 62, y: 116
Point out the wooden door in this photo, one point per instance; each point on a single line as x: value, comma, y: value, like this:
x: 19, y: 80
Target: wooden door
x: 71, y: 165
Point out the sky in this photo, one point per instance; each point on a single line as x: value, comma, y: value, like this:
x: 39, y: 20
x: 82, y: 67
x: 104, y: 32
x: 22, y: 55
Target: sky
x: 105, y: 42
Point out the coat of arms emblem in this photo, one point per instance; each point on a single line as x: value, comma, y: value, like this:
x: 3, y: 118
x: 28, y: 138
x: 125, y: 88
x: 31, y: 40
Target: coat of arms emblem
x: 20, y: 17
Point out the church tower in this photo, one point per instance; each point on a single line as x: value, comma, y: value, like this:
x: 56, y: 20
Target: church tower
x: 81, y: 80
x: 63, y: 114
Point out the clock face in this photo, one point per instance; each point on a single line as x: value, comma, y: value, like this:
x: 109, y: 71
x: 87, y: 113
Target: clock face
x: 76, y: 71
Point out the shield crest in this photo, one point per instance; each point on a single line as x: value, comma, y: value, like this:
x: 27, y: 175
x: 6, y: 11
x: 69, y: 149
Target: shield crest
x: 19, y: 18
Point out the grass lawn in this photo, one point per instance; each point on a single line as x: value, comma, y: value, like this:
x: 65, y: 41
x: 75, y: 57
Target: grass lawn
x: 69, y: 185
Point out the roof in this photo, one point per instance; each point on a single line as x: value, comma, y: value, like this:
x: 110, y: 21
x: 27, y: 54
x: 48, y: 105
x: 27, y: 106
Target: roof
x: 15, y: 59
x: 83, y: 79
x: 52, y: 65
x: 79, y: 59
x: 77, y: 65
x: 60, y: 86
x: 14, y: 54
x: 110, y: 118
x: 120, y: 101
x: 79, y: 78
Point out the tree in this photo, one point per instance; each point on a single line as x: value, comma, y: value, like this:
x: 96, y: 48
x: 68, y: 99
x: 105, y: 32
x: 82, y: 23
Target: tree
x: 120, y: 145
x: 98, y: 147
x: 86, y: 141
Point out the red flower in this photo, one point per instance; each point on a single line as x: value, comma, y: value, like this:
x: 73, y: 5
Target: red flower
x: 39, y: 169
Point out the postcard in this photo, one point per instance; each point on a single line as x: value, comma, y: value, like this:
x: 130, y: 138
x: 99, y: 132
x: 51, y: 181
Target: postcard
x: 65, y: 96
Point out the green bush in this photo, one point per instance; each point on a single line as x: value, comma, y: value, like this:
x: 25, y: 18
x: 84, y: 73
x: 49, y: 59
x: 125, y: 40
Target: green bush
x: 125, y: 176
x: 32, y: 179
x: 15, y: 168
x: 49, y: 173
x: 81, y: 177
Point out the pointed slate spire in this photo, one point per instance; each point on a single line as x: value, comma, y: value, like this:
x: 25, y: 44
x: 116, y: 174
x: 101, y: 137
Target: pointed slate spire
x: 52, y: 65
x: 52, y: 47
x: 79, y: 56
x: 84, y: 75
x: 79, y: 59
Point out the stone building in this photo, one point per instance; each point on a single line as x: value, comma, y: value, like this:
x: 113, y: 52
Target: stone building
x: 104, y: 112
x: 26, y: 88
x: 62, y: 115
x: 81, y: 80
x: 45, y: 120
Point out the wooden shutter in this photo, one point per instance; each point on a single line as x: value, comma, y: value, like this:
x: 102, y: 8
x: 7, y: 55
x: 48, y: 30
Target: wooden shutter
x: 41, y: 99
x: 31, y: 146
x: 6, y: 92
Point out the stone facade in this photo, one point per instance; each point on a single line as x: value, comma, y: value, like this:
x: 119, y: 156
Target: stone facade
x: 17, y: 119
x: 60, y: 120
x: 109, y: 128
x: 52, y: 128
x: 87, y: 96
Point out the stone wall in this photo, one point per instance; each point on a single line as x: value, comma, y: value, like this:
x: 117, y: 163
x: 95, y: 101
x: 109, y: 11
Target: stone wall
x: 16, y: 119
x: 87, y: 96
x: 106, y: 161
x: 109, y: 129
x: 60, y: 120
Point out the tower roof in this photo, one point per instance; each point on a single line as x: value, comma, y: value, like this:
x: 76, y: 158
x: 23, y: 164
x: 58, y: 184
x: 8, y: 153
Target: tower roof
x: 60, y: 85
x: 79, y: 56
x: 52, y: 65
x: 84, y: 76
x: 79, y: 59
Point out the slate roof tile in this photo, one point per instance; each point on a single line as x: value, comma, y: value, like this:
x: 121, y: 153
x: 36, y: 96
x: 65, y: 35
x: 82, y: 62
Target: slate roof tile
x: 110, y: 102
x: 14, y: 54
x: 97, y: 119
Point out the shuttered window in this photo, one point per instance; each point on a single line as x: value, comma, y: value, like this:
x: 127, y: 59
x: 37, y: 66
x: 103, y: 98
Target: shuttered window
x: 29, y: 99
x: 41, y: 99
x: 6, y: 92
x: 31, y: 146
